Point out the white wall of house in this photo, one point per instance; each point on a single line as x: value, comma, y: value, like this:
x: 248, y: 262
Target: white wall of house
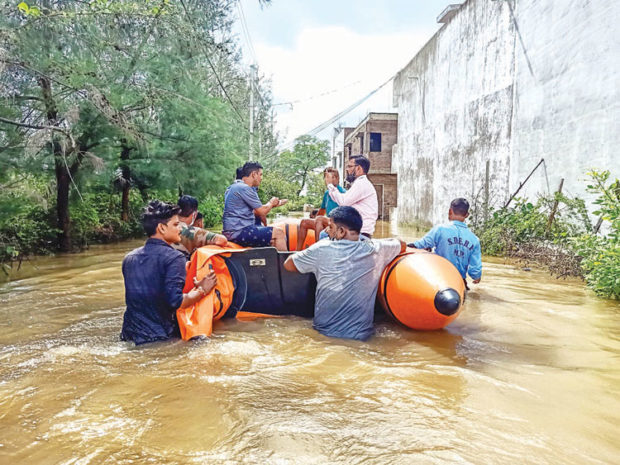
x: 508, y: 88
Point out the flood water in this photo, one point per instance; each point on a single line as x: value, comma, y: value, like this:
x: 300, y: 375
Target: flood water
x: 528, y: 374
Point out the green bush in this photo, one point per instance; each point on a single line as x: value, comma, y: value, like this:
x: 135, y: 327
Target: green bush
x: 601, y: 254
x: 110, y: 227
x: 273, y: 185
x: 569, y: 246
x: 316, y: 189
x: 28, y: 224
x: 527, y: 222
x: 212, y: 207
x: 27, y: 219
x: 28, y: 231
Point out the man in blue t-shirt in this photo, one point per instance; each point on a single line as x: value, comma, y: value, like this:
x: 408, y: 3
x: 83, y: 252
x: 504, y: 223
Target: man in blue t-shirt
x: 154, y: 279
x: 320, y: 221
x: 258, y: 220
x: 242, y: 206
x: 455, y: 242
x: 347, y: 272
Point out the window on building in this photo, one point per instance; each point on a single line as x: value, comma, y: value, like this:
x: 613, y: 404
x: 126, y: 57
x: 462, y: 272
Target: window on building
x: 375, y: 142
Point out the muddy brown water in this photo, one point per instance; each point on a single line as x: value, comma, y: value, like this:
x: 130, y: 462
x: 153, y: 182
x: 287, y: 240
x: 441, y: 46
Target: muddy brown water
x: 529, y: 373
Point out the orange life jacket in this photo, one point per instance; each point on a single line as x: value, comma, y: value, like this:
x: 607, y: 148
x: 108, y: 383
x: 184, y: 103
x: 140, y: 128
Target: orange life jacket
x: 197, y: 320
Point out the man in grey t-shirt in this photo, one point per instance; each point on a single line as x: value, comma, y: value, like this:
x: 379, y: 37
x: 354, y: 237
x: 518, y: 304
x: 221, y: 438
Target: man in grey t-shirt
x: 347, y: 271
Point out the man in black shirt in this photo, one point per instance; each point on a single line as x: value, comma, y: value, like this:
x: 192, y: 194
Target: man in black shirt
x: 154, y: 279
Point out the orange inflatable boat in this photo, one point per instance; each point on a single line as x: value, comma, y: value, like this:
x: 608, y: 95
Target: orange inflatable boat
x: 418, y: 289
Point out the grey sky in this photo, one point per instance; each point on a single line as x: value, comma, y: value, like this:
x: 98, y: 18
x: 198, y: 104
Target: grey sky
x: 313, y: 47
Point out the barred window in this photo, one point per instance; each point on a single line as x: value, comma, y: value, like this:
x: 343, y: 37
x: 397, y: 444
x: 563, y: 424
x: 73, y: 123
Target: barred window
x: 375, y: 142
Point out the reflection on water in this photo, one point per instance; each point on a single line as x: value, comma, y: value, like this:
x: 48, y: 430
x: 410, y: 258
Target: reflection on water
x: 527, y: 374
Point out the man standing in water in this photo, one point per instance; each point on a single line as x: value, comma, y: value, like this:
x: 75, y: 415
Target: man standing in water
x: 455, y: 242
x: 347, y: 271
x: 362, y: 195
x: 154, y: 278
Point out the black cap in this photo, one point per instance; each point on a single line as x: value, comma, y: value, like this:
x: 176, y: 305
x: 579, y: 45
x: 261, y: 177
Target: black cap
x: 447, y: 301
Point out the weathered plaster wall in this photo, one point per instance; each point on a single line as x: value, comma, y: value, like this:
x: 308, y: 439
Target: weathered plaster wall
x: 567, y: 98
x: 474, y: 94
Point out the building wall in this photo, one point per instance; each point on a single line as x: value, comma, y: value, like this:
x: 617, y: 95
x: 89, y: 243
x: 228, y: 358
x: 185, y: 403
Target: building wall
x: 380, y: 174
x: 381, y: 161
x: 475, y: 95
x: 389, y: 190
x: 567, y: 98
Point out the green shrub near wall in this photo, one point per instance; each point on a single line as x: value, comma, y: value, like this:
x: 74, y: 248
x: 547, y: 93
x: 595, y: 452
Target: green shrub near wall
x: 569, y: 246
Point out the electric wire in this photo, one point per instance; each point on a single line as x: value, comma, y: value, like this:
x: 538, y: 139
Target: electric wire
x: 327, y: 92
x: 246, y: 31
x: 339, y: 115
x: 217, y: 77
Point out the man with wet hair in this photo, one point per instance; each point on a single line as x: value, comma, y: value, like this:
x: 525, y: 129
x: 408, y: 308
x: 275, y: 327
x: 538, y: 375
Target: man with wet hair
x: 362, y: 195
x: 154, y: 278
x: 193, y: 237
x: 455, y: 242
x: 347, y: 271
x: 242, y: 206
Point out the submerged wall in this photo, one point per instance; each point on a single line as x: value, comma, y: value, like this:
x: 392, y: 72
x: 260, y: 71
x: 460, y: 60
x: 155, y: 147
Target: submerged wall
x: 508, y: 88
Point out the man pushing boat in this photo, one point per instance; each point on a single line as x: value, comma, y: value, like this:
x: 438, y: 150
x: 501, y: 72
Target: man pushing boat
x: 347, y: 271
x: 154, y: 279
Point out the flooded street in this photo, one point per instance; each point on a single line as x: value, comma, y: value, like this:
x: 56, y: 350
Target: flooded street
x: 529, y: 373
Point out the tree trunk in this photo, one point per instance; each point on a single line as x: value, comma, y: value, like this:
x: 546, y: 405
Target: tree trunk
x: 63, y: 184
x: 303, y: 183
x: 63, y: 179
x: 126, y: 182
x: 125, y: 203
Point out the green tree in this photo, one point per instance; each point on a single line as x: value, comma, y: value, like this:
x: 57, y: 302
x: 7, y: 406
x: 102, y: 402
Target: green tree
x: 116, y: 94
x: 308, y: 154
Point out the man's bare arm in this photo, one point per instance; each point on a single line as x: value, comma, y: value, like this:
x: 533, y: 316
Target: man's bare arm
x: 201, y: 289
x: 403, y: 246
x: 262, y: 211
x: 289, y: 265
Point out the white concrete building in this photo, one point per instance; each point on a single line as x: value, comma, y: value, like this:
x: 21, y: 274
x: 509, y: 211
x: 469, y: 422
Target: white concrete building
x: 500, y: 86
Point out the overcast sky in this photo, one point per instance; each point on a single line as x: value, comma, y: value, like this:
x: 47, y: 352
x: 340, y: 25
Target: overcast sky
x: 340, y: 48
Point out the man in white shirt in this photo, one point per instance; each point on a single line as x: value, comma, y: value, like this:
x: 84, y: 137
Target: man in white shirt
x: 362, y: 195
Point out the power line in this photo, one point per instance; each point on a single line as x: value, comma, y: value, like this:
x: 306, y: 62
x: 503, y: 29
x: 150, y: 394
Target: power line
x: 317, y: 95
x: 217, y: 77
x: 248, y: 39
x: 336, y: 117
x: 246, y: 31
